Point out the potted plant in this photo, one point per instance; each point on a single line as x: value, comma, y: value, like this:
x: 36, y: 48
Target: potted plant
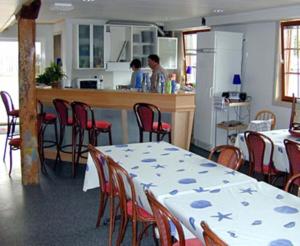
x: 52, y: 75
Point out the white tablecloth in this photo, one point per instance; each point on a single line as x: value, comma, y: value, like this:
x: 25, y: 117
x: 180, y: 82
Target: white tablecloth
x: 165, y: 169
x: 245, y: 214
x: 279, y: 156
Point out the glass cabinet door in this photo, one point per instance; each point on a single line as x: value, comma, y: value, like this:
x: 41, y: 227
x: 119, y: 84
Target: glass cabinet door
x: 98, y: 46
x: 167, y: 51
x: 84, y: 46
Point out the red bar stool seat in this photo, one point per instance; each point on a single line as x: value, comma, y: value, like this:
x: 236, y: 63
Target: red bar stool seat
x: 84, y: 120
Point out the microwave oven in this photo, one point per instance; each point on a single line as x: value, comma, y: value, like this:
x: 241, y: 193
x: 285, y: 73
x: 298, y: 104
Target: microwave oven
x: 90, y: 83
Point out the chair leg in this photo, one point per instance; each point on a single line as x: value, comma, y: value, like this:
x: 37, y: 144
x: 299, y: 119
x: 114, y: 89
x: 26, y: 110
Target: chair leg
x: 170, y: 137
x: 74, y: 140
x: 7, y: 137
x: 112, y: 219
x: 141, y: 136
x: 59, y: 145
x: 102, y: 204
x: 81, y: 137
x: 122, y: 230
x: 150, y: 136
x: 134, y: 233
x: 146, y: 227
x: 10, y: 160
x: 109, y: 137
x: 157, y: 137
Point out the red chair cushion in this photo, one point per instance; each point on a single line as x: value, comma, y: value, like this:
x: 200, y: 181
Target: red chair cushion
x: 107, y: 188
x: 16, y: 142
x: 70, y: 121
x: 142, y: 213
x: 191, y: 242
x: 100, y: 124
x: 266, y: 170
x: 14, y: 113
x: 165, y: 126
x: 50, y: 117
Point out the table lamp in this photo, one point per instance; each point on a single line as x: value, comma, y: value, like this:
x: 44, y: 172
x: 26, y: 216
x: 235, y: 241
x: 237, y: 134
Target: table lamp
x: 236, y: 80
x: 188, y: 73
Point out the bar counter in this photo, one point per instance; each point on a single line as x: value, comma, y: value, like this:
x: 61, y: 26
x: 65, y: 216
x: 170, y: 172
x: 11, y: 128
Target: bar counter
x: 181, y: 106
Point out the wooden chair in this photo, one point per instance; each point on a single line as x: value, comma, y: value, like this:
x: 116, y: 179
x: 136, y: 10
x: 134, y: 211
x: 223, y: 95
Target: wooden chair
x: 12, y: 116
x: 256, y: 144
x: 293, y: 152
x: 148, y: 118
x: 163, y: 219
x: 100, y: 162
x: 266, y: 115
x: 294, y: 180
x: 294, y: 127
x: 210, y: 238
x: 228, y: 156
x: 84, y: 120
x: 129, y: 208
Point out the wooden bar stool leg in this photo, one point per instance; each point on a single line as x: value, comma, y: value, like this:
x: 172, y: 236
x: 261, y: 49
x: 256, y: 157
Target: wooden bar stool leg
x: 109, y: 136
x: 10, y: 160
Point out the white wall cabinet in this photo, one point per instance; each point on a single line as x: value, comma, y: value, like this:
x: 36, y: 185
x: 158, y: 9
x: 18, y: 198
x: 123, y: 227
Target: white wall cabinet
x: 167, y: 51
x: 90, y: 46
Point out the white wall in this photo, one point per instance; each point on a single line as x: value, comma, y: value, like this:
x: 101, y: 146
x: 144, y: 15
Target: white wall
x: 259, y: 67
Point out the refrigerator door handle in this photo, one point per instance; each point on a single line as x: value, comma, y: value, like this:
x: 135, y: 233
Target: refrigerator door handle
x: 211, y: 92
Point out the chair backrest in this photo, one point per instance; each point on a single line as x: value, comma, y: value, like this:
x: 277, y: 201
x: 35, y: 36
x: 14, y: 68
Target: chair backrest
x: 100, y: 162
x: 146, y: 114
x: 295, y: 114
x: 62, y: 110
x: 163, y: 219
x: 267, y: 115
x: 228, y: 155
x: 256, y: 144
x: 210, y: 238
x: 8, y: 103
x: 81, y: 112
x: 120, y: 181
x: 293, y: 180
x: 293, y: 152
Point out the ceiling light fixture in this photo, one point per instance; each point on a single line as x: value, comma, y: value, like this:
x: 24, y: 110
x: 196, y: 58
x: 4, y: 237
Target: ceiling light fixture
x: 218, y: 11
x: 88, y: 0
x: 62, y: 7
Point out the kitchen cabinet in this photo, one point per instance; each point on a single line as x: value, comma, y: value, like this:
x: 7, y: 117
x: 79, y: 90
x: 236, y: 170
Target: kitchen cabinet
x: 90, y: 45
x: 167, y: 51
x: 144, y: 43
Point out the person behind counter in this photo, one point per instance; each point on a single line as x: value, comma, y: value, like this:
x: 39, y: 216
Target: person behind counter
x: 157, y: 69
x: 136, y: 76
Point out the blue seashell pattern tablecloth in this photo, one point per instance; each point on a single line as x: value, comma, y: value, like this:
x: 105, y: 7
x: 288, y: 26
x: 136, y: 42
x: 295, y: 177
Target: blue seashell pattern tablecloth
x: 243, y: 214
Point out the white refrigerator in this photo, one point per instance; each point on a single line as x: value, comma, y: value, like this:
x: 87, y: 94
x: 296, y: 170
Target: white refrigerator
x: 219, y: 57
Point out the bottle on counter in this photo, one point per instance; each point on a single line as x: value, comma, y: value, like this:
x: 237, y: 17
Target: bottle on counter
x: 101, y: 83
x: 162, y: 83
x: 168, y: 86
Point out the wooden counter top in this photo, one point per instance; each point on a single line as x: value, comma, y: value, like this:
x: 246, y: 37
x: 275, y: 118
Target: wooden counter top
x: 181, y: 106
x: 120, y: 99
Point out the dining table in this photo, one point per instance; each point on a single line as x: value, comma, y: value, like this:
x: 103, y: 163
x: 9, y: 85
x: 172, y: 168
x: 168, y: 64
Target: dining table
x: 280, y: 157
x: 166, y: 170
x: 253, y: 213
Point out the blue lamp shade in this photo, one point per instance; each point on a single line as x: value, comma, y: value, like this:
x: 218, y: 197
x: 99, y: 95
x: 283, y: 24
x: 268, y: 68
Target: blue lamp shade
x: 236, y: 79
x: 189, y: 70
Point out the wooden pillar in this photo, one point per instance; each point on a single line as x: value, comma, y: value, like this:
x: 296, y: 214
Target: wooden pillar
x: 30, y: 163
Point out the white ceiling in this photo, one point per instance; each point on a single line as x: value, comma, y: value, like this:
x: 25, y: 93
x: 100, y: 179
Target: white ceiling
x: 154, y: 10
x: 141, y: 10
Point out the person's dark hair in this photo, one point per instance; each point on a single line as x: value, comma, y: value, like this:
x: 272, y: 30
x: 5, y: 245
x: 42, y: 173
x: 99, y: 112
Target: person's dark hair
x: 136, y: 63
x: 154, y: 57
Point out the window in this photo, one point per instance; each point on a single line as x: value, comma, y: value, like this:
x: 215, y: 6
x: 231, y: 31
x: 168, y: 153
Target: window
x: 190, y: 55
x: 290, y: 59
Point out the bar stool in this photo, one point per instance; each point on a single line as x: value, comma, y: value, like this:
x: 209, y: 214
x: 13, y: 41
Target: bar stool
x: 12, y: 115
x: 84, y: 119
x: 63, y: 108
x: 146, y: 114
x: 47, y: 119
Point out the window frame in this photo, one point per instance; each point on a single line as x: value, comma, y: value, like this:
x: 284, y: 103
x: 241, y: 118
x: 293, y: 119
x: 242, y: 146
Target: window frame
x: 282, y: 60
